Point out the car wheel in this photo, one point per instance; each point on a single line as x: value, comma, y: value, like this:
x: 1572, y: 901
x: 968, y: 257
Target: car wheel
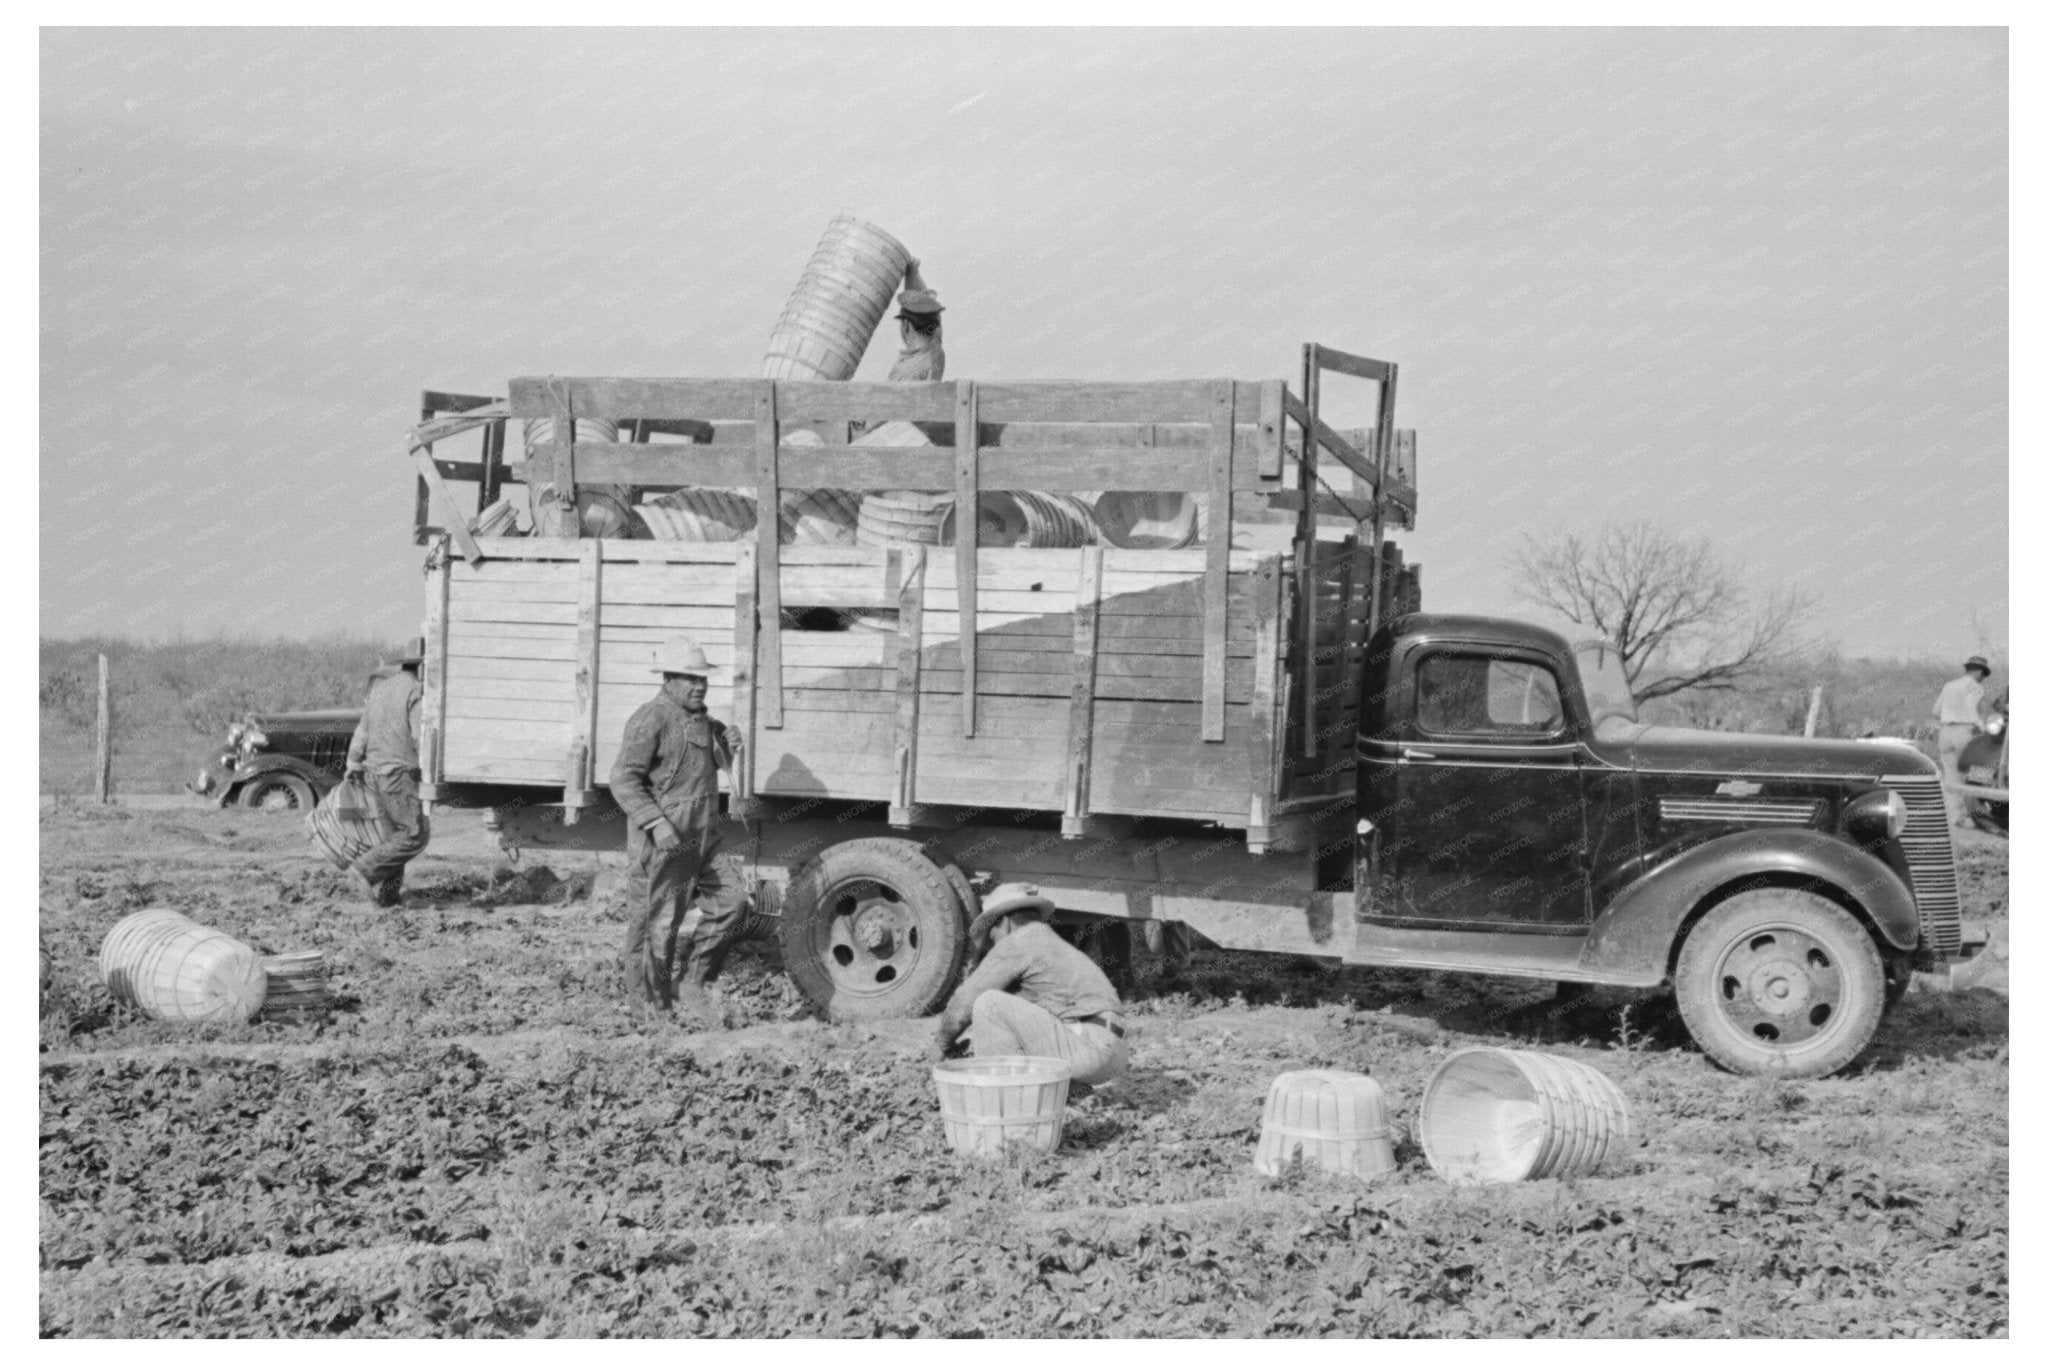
x: 873, y: 929
x: 1780, y: 982
x: 278, y: 791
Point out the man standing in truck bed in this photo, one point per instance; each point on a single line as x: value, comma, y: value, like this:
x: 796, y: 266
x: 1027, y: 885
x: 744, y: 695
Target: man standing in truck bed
x: 666, y: 781
x: 385, y: 752
x: 924, y: 353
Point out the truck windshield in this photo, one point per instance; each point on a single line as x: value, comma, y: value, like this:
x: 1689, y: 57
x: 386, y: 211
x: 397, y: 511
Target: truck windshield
x: 1606, y: 685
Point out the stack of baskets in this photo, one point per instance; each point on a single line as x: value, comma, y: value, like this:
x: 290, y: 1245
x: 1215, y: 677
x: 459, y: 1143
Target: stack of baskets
x: 837, y: 303
x: 171, y: 968
x: 297, y: 986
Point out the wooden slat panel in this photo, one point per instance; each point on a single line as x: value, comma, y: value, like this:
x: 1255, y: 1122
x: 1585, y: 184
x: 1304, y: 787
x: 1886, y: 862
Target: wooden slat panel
x: 471, y: 645
x: 561, y: 589
x: 485, y: 608
x: 520, y: 772
x: 548, y: 672
x: 470, y: 707
x: 499, y: 737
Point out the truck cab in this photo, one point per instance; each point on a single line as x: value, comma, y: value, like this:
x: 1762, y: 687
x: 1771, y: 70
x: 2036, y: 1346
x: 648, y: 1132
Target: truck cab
x: 1516, y: 817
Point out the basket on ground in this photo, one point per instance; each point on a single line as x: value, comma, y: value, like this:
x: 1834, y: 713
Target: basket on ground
x: 171, y: 968
x: 1003, y: 1108
x: 1490, y: 1114
x: 1334, y: 1121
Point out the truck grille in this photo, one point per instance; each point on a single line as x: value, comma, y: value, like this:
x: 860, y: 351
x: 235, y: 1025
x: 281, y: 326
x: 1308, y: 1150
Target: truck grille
x: 1932, y: 860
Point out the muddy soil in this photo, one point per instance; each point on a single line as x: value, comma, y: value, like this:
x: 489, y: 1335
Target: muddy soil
x: 481, y: 1140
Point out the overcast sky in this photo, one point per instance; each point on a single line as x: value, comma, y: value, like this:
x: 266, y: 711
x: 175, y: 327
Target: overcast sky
x: 1750, y: 283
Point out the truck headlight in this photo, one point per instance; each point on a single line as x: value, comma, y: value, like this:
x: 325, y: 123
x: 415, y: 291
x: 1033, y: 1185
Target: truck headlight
x: 1876, y: 815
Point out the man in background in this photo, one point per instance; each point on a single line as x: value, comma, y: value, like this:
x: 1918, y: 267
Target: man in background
x: 1959, y: 711
x: 385, y: 753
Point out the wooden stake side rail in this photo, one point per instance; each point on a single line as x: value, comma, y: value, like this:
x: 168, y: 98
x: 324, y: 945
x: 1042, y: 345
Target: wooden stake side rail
x: 544, y: 641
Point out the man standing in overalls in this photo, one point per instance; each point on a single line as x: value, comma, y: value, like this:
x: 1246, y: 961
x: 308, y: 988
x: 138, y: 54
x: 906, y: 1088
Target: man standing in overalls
x: 681, y: 913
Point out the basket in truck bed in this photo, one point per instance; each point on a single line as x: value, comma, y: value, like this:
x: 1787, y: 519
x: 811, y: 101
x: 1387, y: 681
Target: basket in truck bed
x: 1211, y: 683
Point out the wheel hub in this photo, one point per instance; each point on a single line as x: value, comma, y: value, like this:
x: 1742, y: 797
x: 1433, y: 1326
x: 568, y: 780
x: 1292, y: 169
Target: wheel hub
x: 871, y: 940
x: 1780, y: 985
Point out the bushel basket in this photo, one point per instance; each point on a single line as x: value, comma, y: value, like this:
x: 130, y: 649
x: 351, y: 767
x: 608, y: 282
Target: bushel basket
x: 345, y: 824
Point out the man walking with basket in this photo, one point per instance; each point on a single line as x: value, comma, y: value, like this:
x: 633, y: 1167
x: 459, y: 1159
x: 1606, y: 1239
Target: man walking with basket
x: 681, y: 912
x: 384, y: 754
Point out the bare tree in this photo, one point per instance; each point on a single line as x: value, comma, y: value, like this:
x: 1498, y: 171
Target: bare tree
x: 1677, y: 613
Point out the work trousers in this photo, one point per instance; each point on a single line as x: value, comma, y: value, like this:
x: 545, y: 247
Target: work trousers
x: 1949, y: 743
x: 1007, y: 1025
x: 681, y: 911
x: 405, y: 827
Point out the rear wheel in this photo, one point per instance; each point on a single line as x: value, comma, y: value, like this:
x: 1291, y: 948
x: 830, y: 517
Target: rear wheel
x: 1780, y: 982
x: 873, y: 929
x: 278, y: 791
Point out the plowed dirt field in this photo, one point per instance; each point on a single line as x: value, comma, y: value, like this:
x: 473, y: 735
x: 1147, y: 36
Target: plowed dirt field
x: 481, y: 1142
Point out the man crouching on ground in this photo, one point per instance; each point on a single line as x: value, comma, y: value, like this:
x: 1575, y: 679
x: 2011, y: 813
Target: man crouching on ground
x: 1035, y: 995
x: 680, y: 910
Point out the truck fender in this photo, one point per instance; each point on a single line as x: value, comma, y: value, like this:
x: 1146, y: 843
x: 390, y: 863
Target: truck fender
x: 1638, y: 931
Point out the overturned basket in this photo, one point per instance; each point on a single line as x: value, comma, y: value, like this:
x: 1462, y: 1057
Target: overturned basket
x: 1490, y: 1115
x: 172, y: 968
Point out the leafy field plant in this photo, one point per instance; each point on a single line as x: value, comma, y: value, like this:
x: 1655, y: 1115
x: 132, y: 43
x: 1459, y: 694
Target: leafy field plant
x: 482, y: 1142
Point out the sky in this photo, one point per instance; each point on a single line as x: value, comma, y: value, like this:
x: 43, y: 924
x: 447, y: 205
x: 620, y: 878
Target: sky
x: 1745, y: 283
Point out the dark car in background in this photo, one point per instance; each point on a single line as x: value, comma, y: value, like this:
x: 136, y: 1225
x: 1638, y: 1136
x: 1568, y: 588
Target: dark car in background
x: 284, y: 760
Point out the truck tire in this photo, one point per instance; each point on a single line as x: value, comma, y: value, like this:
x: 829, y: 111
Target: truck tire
x: 278, y: 791
x: 873, y: 929
x: 1776, y: 982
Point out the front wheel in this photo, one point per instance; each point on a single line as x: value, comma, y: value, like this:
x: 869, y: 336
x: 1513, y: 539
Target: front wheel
x: 873, y: 929
x: 278, y: 791
x: 1780, y: 982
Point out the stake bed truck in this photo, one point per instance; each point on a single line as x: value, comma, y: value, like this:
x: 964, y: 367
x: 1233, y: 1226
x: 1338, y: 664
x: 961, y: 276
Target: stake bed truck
x: 1260, y: 737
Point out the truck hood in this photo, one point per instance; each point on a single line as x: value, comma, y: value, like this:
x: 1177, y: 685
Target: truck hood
x: 1672, y: 748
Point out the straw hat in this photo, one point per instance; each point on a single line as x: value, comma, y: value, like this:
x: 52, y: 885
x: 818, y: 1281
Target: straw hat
x: 1976, y: 661
x: 920, y: 301
x: 1008, y: 899
x: 681, y: 654
x: 415, y: 651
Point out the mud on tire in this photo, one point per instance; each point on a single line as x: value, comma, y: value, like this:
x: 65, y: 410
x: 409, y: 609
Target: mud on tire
x: 1780, y: 982
x: 873, y: 929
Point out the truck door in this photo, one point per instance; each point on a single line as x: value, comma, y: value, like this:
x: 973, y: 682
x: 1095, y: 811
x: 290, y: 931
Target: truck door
x: 1480, y: 801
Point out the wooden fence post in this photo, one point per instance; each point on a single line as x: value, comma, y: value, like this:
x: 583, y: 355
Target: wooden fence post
x: 103, y: 748
x: 1813, y: 712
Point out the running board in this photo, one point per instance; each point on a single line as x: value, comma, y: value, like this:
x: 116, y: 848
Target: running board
x: 1541, y: 957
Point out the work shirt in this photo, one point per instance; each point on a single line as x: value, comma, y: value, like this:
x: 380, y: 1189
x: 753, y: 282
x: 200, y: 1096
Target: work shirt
x: 668, y: 763
x: 1961, y: 702
x: 928, y: 362
x: 1043, y: 968
x: 387, y: 737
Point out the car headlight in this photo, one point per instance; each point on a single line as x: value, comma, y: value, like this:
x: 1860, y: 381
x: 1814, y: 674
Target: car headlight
x: 254, y: 738
x: 1876, y: 815
x: 227, y: 760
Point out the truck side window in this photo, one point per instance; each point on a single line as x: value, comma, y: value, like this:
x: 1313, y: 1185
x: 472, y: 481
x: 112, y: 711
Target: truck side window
x: 1465, y: 694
